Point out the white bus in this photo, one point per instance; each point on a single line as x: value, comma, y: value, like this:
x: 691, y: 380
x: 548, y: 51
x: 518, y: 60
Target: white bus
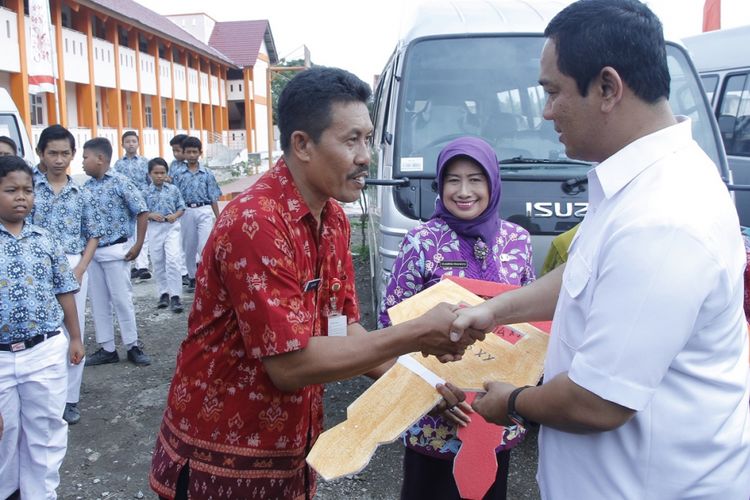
x: 12, y: 126
x: 472, y: 68
x: 723, y: 61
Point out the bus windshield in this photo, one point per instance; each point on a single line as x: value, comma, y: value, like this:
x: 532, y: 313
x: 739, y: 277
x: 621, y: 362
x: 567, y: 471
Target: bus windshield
x: 487, y: 86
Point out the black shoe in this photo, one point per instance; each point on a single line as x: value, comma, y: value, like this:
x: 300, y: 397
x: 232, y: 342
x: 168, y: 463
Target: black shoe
x: 144, y: 274
x: 102, y: 357
x: 71, y: 414
x: 185, y: 280
x: 163, y: 301
x: 191, y: 286
x: 133, y: 273
x: 138, y: 357
x: 175, y: 305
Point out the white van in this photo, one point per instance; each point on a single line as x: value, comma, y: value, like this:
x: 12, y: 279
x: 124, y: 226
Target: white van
x: 12, y: 126
x: 724, y: 67
x: 472, y: 68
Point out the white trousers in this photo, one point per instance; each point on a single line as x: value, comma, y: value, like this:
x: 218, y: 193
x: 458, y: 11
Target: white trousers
x: 32, y: 399
x: 110, y: 290
x: 140, y: 262
x: 165, y: 250
x: 183, y: 266
x: 75, y: 372
x: 196, y: 227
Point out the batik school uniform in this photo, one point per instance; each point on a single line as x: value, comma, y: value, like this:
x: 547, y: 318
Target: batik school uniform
x: 70, y: 217
x: 176, y: 166
x: 118, y: 202
x: 136, y: 169
x: 165, y: 238
x: 199, y: 189
x: 33, y: 361
x: 36, y: 174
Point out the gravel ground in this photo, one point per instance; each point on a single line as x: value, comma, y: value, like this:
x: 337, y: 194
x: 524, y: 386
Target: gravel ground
x: 109, y: 451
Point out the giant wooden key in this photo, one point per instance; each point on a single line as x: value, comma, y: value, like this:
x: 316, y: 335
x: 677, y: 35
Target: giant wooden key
x: 401, y: 396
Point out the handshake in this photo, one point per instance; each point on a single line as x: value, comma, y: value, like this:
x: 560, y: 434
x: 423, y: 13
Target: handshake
x: 446, y: 330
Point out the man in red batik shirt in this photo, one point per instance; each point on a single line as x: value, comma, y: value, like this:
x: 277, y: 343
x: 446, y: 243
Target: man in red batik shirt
x: 275, y: 312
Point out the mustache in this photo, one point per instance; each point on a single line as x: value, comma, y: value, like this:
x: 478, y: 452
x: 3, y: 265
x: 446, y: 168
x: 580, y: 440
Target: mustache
x: 359, y: 172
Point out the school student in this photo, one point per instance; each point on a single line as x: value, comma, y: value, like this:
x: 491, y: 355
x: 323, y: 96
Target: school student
x: 8, y: 146
x: 201, y: 194
x: 36, y: 298
x: 63, y: 208
x: 165, y: 207
x: 119, y: 205
x: 179, y: 157
x: 178, y: 163
x: 135, y: 167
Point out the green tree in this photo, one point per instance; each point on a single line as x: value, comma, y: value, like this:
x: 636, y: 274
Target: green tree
x: 280, y: 79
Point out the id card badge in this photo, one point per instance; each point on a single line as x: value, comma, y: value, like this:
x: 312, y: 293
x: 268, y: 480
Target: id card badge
x: 336, y: 320
x: 337, y: 325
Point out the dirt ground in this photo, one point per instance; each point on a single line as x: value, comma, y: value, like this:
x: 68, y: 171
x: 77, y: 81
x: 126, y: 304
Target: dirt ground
x: 109, y: 451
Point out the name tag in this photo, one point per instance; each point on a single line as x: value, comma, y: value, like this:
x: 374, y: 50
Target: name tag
x: 311, y: 285
x: 337, y: 325
x: 454, y: 264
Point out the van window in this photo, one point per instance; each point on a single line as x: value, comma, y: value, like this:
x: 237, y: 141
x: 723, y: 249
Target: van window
x: 495, y: 94
x: 709, y: 86
x: 10, y: 127
x: 734, y: 115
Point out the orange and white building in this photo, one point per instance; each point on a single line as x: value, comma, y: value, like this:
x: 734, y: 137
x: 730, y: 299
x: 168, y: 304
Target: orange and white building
x: 120, y: 66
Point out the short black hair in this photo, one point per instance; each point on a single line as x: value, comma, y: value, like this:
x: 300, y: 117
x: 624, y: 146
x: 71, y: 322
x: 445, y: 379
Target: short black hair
x: 100, y: 145
x: 305, y: 103
x: 157, y: 161
x: 192, y: 142
x: 10, y: 142
x: 10, y: 164
x: 177, y: 140
x: 55, y: 133
x: 128, y: 134
x: 623, y: 34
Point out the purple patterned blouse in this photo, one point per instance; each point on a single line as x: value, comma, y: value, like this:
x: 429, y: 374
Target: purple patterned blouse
x: 429, y: 251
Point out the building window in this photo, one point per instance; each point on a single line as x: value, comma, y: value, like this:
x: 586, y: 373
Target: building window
x: 192, y: 120
x: 37, y: 109
x: 149, y: 117
x: 231, y: 87
x: 128, y: 115
x: 164, y: 116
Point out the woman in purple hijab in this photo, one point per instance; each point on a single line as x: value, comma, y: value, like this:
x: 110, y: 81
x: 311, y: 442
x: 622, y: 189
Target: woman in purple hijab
x: 464, y: 237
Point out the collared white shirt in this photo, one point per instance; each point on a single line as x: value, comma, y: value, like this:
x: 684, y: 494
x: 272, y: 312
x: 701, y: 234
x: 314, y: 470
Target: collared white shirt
x: 650, y: 317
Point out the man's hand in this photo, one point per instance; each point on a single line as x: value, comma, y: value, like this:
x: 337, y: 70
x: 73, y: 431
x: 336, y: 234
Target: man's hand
x: 76, y: 351
x: 434, y: 336
x: 170, y: 218
x: 133, y: 252
x: 472, y: 322
x: 493, y: 405
x: 156, y: 217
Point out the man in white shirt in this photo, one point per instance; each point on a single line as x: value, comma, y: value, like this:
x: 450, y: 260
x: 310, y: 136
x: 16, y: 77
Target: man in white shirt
x: 646, y: 378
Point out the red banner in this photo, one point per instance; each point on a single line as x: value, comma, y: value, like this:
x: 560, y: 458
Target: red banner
x: 712, y: 15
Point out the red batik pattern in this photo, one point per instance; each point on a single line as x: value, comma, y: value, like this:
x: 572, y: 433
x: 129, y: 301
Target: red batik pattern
x: 243, y: 437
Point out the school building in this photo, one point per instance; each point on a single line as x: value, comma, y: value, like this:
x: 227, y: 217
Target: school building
x: 120, y: 66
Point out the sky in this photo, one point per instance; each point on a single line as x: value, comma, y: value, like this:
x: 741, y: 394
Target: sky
x: 360, y: 36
